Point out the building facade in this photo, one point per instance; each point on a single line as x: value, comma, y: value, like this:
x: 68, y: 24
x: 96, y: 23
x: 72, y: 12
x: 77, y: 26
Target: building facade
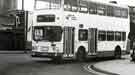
x: 132, y: 25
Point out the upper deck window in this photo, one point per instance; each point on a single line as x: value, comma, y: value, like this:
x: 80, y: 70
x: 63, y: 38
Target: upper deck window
x: 71, y: 5
x: 92, y: 8
x: 117, y: 12
x: 101, y: 9
x: 67, y: 5
x: 109, y: 10
x: 124, y: 13
x: 47, y: 4
x: 83, y: 6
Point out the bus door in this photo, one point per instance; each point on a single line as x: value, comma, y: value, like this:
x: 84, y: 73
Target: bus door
x: 92, y: 41
x: 68, y: 41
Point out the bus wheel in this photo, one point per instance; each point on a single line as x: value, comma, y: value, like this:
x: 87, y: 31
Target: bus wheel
x: 81, y: 54
x: 117, y: 53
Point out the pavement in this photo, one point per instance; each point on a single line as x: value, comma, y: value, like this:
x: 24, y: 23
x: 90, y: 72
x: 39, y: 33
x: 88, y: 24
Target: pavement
x: 116, y: 67
x: 13, y: 52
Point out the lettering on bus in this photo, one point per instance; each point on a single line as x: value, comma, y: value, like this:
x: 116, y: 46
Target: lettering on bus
x: 46, y: 18
x: 71, y: 17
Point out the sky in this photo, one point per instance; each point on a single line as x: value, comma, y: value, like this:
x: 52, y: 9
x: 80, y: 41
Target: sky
x: 29, y: 4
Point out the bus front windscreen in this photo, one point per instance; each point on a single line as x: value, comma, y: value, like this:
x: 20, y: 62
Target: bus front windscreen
x: 47, y: 33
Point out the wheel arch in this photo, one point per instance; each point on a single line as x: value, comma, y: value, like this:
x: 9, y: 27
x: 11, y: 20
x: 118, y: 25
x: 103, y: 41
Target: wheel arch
x: 117, y: 52
x: 81, y: 48
x: 118, y: 47
x: 81, y: 53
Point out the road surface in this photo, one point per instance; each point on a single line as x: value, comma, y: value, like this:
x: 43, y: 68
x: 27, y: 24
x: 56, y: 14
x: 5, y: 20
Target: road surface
x: 23, y: 64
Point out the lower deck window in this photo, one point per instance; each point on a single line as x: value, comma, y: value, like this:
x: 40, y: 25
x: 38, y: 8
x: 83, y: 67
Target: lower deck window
x: 83, y: 34
x: 123, y: 36
x: 110, y: 36
x: 101, y: 35
x: 117, y: 36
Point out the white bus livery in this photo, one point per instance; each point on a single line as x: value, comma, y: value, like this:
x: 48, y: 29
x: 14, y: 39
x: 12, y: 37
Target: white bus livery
x: 78, y: 29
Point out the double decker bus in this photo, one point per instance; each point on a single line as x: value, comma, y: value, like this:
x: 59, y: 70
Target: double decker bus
x: 78, y: 29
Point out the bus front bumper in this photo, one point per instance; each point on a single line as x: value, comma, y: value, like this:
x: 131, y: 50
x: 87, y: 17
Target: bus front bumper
x: 45, y: 54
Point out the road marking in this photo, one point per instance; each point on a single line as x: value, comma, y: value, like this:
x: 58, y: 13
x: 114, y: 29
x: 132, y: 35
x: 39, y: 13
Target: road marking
x: 87, y: 67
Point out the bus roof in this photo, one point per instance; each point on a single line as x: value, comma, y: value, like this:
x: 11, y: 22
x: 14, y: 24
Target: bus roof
x: 110, y: 4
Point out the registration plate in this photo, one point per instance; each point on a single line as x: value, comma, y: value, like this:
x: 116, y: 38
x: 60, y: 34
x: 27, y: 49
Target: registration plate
x: 44, y: 49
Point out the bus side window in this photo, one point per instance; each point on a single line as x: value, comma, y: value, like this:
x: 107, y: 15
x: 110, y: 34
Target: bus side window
x: 71, y: 5
x: 109, y: 11
x: 118, y: 36
x: 117, y: 11
x: 83, y: 35
x: 74, y: 5
x: 92, y: 8
x: 123, y: 36
x: 110, y: 36
x: 101, y: 10
x: 124, y: 13
x: 102, y: 35
x: 67, y: 5
x: 83, y: 6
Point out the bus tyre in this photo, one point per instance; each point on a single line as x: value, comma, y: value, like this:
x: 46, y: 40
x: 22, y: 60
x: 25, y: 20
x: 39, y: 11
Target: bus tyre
x: 117, y: 53
x: 33, y: 55
x: 81, y: 55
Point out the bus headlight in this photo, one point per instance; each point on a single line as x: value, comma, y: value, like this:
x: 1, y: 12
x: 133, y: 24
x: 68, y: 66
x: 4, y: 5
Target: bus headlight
x: 57, y: 49
x: 34, y: 47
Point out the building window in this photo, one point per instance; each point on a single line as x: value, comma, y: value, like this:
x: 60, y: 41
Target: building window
x: 83, y: 34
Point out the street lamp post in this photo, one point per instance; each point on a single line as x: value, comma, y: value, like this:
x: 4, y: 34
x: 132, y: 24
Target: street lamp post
x: 22, y: 4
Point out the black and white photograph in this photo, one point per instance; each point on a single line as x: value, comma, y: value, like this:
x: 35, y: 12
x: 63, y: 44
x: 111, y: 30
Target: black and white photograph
x: 67, y: 37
